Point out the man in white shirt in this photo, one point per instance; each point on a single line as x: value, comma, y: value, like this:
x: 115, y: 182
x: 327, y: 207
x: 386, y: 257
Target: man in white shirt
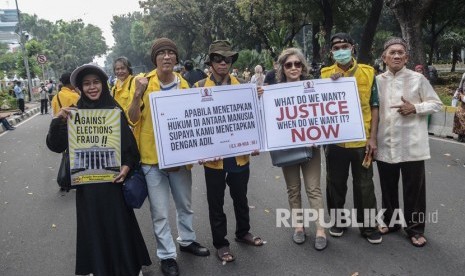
x: 405, y: 99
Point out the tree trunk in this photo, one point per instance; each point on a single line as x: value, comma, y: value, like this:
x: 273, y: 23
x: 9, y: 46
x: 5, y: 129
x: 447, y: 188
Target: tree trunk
x: 410, y: 14
x: 365, y: 53
x: 328, y: 26
x: 433, y: 37
x: 455, y: 57
x: 315, y: 45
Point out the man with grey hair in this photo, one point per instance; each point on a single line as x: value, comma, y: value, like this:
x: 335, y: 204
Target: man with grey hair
x: 406, y: 98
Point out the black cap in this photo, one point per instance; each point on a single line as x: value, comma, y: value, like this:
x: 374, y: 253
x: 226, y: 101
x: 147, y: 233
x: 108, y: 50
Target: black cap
x: 341, y: 38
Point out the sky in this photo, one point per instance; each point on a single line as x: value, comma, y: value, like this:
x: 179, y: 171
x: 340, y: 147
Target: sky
x: 96, y: 12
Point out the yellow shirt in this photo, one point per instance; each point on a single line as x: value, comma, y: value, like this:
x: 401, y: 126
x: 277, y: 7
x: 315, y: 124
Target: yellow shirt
x: 143, y: 128
x: 240, y: 160
x: 365, y: 75
x: 67, y: 97
x: 121, y: 92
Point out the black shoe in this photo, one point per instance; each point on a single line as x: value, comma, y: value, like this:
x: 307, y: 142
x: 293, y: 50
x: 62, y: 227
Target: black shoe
x: 169, y: 267
x: 196, y: 249
x: 11, y: 128
x: 374, y: 237
x: 336, y: 231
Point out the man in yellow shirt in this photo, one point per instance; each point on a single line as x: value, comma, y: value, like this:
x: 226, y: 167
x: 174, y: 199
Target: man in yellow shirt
x: 163, y: 183
x: 339, y: 157
x: 67, y: 96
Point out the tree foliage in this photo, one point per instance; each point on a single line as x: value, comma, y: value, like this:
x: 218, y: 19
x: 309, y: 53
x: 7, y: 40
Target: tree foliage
x: 66, y: 44
x: 410, y: 15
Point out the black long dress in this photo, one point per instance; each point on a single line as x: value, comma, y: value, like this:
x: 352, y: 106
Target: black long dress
x: 109, y: 241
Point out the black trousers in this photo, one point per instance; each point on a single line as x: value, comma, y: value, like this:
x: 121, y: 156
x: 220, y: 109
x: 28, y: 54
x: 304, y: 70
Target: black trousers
x: 216, y: 181
x: 338, y: 162
x: 21, y: 104
x: 414, y: 193
x: 43, y: 106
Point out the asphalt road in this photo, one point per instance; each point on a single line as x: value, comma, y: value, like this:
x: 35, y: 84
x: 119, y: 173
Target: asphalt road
x: 38, y: 225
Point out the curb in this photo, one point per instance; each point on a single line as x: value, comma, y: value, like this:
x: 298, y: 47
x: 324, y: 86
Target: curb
x: 19, y: 118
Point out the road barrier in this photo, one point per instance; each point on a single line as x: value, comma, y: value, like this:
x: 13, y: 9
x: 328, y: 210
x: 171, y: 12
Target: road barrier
x: 442, y: 122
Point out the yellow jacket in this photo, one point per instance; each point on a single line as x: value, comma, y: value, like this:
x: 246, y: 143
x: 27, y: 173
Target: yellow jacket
x: 121, y: 92
x: 365, y: 76
x: 240, y: 160
x: 143, y: 128
x: 67, y: 97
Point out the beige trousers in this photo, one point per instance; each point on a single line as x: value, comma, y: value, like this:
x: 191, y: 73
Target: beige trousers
x: 311, y: 172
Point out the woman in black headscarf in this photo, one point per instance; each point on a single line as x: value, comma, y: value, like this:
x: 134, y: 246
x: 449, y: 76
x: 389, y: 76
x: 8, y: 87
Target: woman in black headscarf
x: 109, y: 241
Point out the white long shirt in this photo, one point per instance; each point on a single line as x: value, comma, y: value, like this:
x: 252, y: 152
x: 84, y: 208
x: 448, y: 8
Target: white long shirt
x: 404, y: 138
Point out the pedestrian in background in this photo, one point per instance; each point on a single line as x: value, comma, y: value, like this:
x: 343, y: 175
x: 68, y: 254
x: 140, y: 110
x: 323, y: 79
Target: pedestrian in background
x: 246, y: 75
x: 459, y: 116
x: 270, y: 77
x: 176, y: 182
x: 258, y: 78
x: 191, y: 74
x: 5, y: 122
x: 341, y: 157
x: 124, y: 80
x: 50, y: 89
x: 232, y: 171
x: 19, y: 94
x: 406, y: 98
x: 67, y: 96
x: 292, y: 66
x: 43, y: 94
x: 109, y: 241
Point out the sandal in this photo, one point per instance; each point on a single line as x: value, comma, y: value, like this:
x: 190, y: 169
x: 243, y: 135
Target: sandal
x: 224, y: 254
x: 384, y: 230
x: 250, y: 240
x: 415, y: 240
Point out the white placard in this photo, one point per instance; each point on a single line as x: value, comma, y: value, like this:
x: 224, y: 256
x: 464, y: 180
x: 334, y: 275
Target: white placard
x: 204, y: 123
x: 321, y: 111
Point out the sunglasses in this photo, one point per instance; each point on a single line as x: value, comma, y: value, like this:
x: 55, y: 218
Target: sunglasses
x: 219, y: 59
x: 296, y: 64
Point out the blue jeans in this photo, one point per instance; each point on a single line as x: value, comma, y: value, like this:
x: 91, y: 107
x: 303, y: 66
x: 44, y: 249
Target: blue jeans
x: 160, y: 184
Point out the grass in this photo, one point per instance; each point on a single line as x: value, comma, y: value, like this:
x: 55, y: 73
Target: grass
x: 446, y: 85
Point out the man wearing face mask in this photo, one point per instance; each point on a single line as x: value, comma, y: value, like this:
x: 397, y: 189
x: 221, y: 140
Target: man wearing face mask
x: 339, y: 157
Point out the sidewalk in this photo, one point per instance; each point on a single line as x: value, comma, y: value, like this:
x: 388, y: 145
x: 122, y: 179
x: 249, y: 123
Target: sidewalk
x: 30, y: 108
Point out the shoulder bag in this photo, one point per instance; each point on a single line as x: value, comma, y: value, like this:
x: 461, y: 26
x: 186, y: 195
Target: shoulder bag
x: 289, y: 157
x: 135, y: 188
x: 64, y: 175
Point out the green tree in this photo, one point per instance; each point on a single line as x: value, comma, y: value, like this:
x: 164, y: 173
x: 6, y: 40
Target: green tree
x: 193, y: 25
x: 410, y: 14
x: 442, y: 17
x: 453, y: 41
x: 131, y: 41
x: 66, y: 44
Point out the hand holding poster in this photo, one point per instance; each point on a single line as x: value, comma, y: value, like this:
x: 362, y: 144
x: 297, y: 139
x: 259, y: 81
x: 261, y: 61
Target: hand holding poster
x: 204, y: 123
x: 321, y: 111
x: 94, y: 137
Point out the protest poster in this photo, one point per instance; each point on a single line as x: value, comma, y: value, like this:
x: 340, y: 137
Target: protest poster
x: 204, y: 123
x: 321, y: 111
x: 94, y: 137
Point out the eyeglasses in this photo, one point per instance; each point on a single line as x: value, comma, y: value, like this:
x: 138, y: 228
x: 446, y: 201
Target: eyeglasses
x: 219, y: 59
x: 296, y: 64
x: 166, y: 52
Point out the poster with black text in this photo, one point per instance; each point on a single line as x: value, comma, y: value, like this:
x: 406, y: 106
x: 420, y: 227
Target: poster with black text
x: 205, y: 123
x: 94, y: 137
